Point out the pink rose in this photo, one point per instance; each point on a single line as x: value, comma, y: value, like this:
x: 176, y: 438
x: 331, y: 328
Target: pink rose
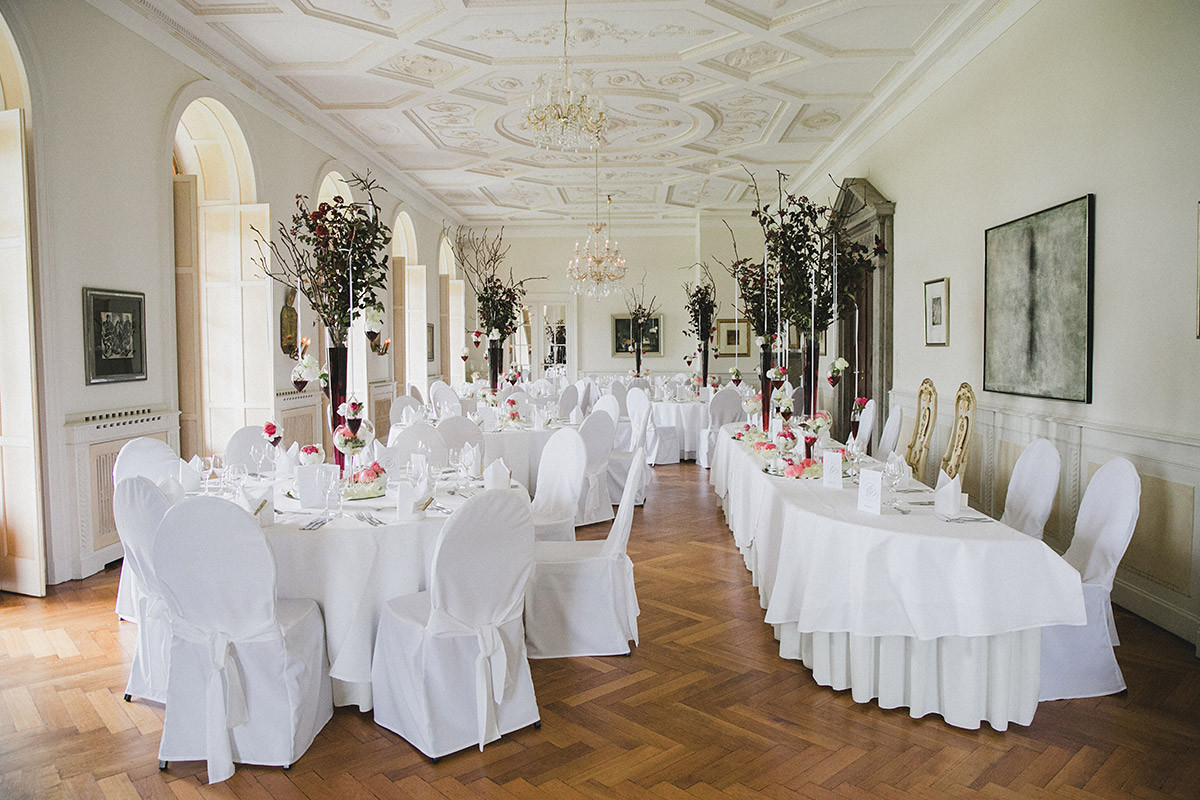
x: 269, y: 429
x: 794, y: 471
x: 309, y: 449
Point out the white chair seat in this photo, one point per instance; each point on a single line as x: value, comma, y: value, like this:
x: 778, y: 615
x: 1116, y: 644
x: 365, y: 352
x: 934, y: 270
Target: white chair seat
x: 618, y: 472
x: 567, y: 551
x: 662, y: 445
x: 550, y: 529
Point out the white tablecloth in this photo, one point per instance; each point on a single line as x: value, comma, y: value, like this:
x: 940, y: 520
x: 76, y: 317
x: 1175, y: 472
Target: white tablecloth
x: 689, y: 418
x: 521, y: 449
x: 937, y: 616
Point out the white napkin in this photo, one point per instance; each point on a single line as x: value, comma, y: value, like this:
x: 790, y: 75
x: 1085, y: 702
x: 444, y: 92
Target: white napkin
x: 189, y: 474
x: 411, y: 499
x: 576, y: 416
x: 496, y: 476
x: 307, y: 486
x: 196, y: 463
x: 472, y: 460
x: 260, y: 502
x: 539, y: 418
x: 173, y: 489
x: 418, y: 463
x: 408, y: 416
x: 947, y: 498
x: 286, y: 461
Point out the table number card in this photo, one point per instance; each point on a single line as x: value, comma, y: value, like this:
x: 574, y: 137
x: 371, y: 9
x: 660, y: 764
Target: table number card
x: 831, y: 469
x: 870, y: 491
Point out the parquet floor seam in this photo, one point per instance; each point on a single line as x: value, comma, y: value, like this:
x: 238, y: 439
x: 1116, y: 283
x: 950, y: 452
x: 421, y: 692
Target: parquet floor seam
x: 704, y: 708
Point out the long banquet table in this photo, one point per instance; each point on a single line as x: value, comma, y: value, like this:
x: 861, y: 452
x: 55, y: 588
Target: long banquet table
x: 902, y: 608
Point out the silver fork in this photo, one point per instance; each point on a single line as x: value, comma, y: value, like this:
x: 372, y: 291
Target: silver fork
x: 313, y: 524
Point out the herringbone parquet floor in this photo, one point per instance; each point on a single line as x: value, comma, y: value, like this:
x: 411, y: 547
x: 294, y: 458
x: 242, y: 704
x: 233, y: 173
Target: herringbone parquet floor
x: 704, y: 708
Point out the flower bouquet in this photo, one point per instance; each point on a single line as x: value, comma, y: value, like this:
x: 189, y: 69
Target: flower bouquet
x: 752, y: 405
x: 488, y: 396
x: 785, y: 439
x: 765, y: 449
x: 777, y: 375
x: 368, y: 482
x: 272, y: 432
x: 807, y: 468
x: 513, y: 376
x: 735, y: 375
x: 373, y: 321
x: 347, y: 441
x: 477, y: 337
x: 306, y: 370
x: 464, y: 354
x: 786, y: 405
x: 312, y: 454
x: 860, y: 404
x: 511, y: 412
x: 836, y: 369
x: 813, y: 426
x: 688, y: 358
x: 352, y: 410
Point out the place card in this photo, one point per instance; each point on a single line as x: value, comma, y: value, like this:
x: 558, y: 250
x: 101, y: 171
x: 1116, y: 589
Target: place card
x: 831, y: 469
x: 870, y: 491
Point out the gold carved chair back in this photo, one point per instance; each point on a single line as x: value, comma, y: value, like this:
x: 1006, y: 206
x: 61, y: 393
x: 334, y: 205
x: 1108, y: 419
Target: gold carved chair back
x: 918, y: 445
x: 957, y: 448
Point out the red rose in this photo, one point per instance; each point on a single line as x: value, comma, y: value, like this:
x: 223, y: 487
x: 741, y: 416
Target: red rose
x: 269, y: 429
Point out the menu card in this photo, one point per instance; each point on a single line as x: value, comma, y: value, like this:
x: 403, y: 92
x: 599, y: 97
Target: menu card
x: 870, y: 491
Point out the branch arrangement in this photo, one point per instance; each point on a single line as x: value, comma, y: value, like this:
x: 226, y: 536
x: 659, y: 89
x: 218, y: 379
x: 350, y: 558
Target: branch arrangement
x: 750, y: 277
x: 499, y: 299
x: 701, y: 306
x: 334, y: 255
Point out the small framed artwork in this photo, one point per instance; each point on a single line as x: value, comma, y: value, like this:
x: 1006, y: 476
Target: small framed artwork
x: 622, y: 332
x: 114, y: 336
x: 429, y: 342
x: 937, y: 312
x: 796, y: 339
x: 733, y: 338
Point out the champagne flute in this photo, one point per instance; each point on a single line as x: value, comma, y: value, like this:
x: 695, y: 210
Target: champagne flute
x: 206, y: 464
x: 327, y: 482
x: 235, y: 477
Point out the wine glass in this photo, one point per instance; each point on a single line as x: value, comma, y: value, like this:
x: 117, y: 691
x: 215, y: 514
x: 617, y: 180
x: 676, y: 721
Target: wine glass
x: 235, y: 478
x: 206, y: 464
x: 892, y: 473
x: 218, y: 468
x: 261, y: 455
x: 329, y: 484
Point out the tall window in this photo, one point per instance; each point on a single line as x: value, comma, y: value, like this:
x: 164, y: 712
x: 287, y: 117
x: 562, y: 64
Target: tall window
x: 223, y: 301
x: 452, y: 300
x: 409, y: 278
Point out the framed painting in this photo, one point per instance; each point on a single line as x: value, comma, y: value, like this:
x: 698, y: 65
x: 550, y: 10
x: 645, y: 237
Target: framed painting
x: 114, y: 336
x: 937, y: 312
x: 622, y: 336
x: 1037, y: 303
x: 733, y: 338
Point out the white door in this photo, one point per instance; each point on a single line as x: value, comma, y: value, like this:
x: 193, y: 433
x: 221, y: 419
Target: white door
x: 22, y: 540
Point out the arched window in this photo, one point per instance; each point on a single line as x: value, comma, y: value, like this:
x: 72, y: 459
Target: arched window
x: 411, y: 305
x: 223, y: 300
x: 452, y: 302
x: 23, y: 550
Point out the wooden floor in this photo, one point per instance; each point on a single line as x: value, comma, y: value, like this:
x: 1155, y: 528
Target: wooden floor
x: 704, y: 708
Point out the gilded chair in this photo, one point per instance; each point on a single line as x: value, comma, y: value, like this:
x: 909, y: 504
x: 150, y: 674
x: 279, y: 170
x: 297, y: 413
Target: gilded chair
x: 918, y: 445
x: 955, y: 458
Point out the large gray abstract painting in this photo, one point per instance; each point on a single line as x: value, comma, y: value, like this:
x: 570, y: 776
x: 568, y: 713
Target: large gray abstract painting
x: 1037, y: 304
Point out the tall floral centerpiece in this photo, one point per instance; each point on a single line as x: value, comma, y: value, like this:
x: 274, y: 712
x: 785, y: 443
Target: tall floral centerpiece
x: 701, y: 310
x: 498, y: 298
x: 820, y: 269
x: 641, y: 312
x: 756, y: 284
x: 335, y: 256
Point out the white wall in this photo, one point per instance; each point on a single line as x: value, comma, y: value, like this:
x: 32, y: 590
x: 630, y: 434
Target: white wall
x: 103, y: 108
x: 1079, y: 96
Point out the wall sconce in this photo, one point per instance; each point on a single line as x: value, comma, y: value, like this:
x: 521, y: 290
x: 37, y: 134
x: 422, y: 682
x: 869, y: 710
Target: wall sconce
x: 380, y: 349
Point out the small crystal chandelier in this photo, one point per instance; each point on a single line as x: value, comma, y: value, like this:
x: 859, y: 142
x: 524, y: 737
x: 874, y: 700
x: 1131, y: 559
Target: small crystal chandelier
x: 565, y: 116
x: 597, y: 269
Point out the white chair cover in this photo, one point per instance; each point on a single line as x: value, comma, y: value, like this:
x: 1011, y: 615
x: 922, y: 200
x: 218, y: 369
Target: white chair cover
x: 1032, y: 488
x: 559, y: 485
x: 153, y: 459
x: 620, y: 391
x: 662, y: 444
x: 524, y: 406
x: 459, y: 431
x: 237, y: 451
x: 866, y: 424
x: 595, y: 504
x: 504, y: 391
x: 640, y: 383
x: 1079, y: 661
x: 249, y: 679
x: 415, y: 392
x: 541, y: 388
x: 609, y: 405
x: 488, y: 418
x: 890, y: 434
x: 797, y: 396
x: 620, y: 461
x: 138, y: 508
x: 432, y: 648
x: 396, y: 412
x: 567, y: 401
x: 724, y: 408
x: 441, y: 395
x: 581, y: 390
x: 581, y: 599
x: 150, y: 458
x: 438, y: 383
x: 409, y: 440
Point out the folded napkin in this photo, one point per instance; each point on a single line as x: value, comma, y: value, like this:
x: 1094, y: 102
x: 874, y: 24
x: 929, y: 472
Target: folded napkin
x: 576, y: 416
x: 412, y: 498
x: 189, y: 474
x: 196, y: 463
x: 308, y: 486
x: 418, y: 463
x: 948, y: 498
x: 286, y: 461
x: 408, y: 416
x: 173, y: 489
x: 472, y: 459
x: 539, y: 418
x: 260, y: 502
x: 496, y: 476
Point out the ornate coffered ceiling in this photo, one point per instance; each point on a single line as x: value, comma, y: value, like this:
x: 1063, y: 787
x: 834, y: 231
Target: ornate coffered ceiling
x: 698, y: 91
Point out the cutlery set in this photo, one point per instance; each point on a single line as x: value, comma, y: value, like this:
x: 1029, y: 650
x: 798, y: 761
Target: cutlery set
x: 370, y: 519
x: 314, y: 523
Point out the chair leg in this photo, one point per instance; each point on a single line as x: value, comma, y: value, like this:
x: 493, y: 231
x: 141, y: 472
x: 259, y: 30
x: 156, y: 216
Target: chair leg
x: 537, y: 726
x: 287, y: 767
x: 128, y: 699
x: 435, y: 760
x: 162, y: 765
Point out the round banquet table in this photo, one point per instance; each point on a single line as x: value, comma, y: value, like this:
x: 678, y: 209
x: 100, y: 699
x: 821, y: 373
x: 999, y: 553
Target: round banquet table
x: 689, y: 418
x: 521, y: 448
x: 903, y: 608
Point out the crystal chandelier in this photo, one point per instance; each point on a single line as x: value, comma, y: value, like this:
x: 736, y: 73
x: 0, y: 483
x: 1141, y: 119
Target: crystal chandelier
x: 597, y: 269
x: 564, y: 116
